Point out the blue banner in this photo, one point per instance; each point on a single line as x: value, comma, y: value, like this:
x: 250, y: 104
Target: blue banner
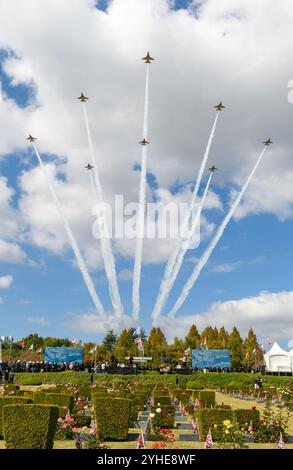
x: 59, y: 355
x: 209, y: 358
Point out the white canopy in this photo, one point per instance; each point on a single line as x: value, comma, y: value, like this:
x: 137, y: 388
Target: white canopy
x: 278, y: 360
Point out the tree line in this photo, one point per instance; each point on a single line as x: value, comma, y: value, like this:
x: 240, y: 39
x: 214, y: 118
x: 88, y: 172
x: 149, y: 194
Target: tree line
x: 245, y: 352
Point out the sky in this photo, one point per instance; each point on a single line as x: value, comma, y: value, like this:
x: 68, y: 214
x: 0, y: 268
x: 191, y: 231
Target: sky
x: 237, y: 51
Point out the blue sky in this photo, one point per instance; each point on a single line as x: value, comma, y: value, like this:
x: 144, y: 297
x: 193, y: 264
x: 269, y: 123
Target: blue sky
x: 252, y: 263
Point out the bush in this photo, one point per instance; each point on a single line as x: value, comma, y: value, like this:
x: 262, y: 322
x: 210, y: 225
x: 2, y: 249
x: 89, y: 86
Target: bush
x: 166, y: 418
x: 194, y: 384
x: 139, y: 399
x: 29, y: 426
x: 64, y: 401
x: 31, y: 381
x: 195, y: 395
x: 208, y: 398
x: 112, y: 417
x: 243, y: 417
x: 212, y: 420
x: 82, y: 420
x: 162, y: 400
x: 9, y: 400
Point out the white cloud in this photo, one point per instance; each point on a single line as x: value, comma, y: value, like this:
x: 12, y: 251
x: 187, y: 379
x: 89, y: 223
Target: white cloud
x: 269, y: 314
x: 12, y: 253
x: 26, y: 302
x: 6, y: 281
x: 92, y: 324
x: 227, y: 267
x: 40, y: 321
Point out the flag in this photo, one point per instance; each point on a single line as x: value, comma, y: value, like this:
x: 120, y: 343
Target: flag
x: 140, y: 442
x: 194, y: 424
x: 148, y: 429
x: 39, y: 350
x: 196, y: 404
x: 270, y: 343
x: 31, y: 348
x: 281, y: 443
x: 250, y: 428
x: 10, y: 339
x: 21, y: 344
x: 73, y: 340
x: 138, y: 342
x: 187, y: 351
x: 80, y: 342
x: 208, y: 444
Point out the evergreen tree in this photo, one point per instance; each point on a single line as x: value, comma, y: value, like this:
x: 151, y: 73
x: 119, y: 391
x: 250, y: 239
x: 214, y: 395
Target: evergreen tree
x: 236, y: 347
x: 157, y: 346
x: 110, y: 341
x: 192, y: 339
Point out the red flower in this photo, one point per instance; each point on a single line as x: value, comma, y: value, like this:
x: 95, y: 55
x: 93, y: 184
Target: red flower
x: 163, y: 444
x: 253, y: 408
x: 155, y: 445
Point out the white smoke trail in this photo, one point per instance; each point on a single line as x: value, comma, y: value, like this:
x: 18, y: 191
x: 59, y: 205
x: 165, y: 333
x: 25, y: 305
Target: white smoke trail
x: 206, y: 255
x: 164, y: 287
x: 79, y: 259
x: 106, y: 248
x: 184, y: 247
x: 141, y: 213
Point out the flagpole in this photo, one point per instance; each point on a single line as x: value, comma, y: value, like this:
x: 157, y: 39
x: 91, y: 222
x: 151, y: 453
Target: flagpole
x: 10, y: 346
x: 0, y: 350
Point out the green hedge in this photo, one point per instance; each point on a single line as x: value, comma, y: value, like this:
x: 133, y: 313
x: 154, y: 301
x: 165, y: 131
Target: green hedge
x: 207, y: 419
x: 58, y: 399
x: 112, y: 417
x: 243, y: 417
x: 29, y: 426
x: 82, y: 420
x: 208, y: 398
x: 162, y: 400
x: 139, y: 399
x: 207, y: 380
x: 9, y: 400
x: 166, y: 417
x: 195, y: 395
x: 194, y: 384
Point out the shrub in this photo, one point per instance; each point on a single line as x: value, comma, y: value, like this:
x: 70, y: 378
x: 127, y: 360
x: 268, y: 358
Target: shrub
x: 112, y: 417
x: 194, y: 384
x: 139, y: 399
x: 31, y: 381
x: 29, y: 426
x: 208, y: 398
x: 10, y: 400
x: 82, y: 420
x: 165, y: 418
x: 195, y: 395
x: 212, y: 419
x: 162, y: 400
x: 243, y: 417
x: 64, y: 401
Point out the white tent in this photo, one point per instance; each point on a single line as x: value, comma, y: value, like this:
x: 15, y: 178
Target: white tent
x: 278, y: 360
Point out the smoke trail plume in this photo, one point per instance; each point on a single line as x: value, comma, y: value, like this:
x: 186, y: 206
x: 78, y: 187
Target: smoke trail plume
x: 106, y: 248
x: 141, y: 214
x: 164, y: 287
x: 79, y: 259
x: 206, y: 255
x: 183, y: 249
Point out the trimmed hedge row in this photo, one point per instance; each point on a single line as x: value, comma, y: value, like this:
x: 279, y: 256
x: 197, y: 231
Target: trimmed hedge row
x: 207, y: 419
x: 112, y: 418
x: 162, y: 400
x: 59, y: 399
x: 207, y: 380
x: 9, y: 400
x: 29, y: 426
x: 208, y: 398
